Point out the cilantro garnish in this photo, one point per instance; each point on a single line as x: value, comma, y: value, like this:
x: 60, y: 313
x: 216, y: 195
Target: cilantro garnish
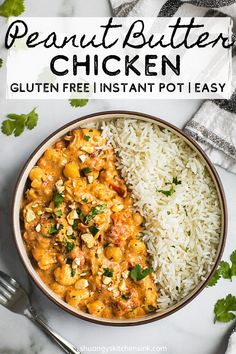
x: 176, y: 181
x: 167, y: 193
x: 53, y: 230
x: 87, y: 137
x: 233, y: 266
x: 80, y: 213
x: 17, y: 123
x: 12, y: 8
x: 225, y: 270
x: 108, y: 272
x: 151, y: 308
x: 85, y: 200
x: 69, y: 261
x: 137, y: 273
x: 72, y: 272
x: 58, y: 213
x: 94, y: 211
x: 93, y: 230
x: 224, y: 309
x: 125, y: 296
x: 85, y: 171
x: 58, y: 199
x: 214, y: 279
x: 78, y: 102
x: 69, y: 246
x: 75, y: 224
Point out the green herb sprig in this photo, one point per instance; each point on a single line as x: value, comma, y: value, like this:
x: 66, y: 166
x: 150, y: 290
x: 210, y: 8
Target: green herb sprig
x: 12, y: 8
x: 95, y: 211
x: 225, y: 270
x: 224, y: 309
x: 75, y: 102
x: 137, y: 273
x: 17, y: 123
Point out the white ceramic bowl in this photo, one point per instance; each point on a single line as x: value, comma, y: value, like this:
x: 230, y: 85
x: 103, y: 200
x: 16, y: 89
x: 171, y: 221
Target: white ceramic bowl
x: 20, y: 188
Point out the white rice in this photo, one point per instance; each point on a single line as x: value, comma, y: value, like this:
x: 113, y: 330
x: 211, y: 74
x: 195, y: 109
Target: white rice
x: 182, y: 230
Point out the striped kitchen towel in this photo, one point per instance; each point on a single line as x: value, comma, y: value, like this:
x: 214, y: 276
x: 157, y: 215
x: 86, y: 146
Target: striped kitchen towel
x: 214, y: 125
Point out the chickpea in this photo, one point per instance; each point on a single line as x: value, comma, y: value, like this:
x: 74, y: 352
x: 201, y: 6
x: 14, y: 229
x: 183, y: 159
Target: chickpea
x: 81, y: 284
x: 36, y: 184
x: 46, y: 262
x: 113, y: 253
x: 138, y: 219
x: 38, y: 253
x: 137, y: 312
x: 59, y: 289
x: 51, y: 154
x: 96, y: 308
x: 71, y: 170
x: 63, y: 275
x: 36, y: 173
x: 137, y: 246
x: 75, y: 297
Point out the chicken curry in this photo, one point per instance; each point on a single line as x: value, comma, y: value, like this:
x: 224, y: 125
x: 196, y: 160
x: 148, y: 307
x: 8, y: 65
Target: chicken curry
x: 82, y: 232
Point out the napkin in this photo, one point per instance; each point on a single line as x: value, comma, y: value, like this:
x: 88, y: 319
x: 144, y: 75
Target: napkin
x: 214, y: 125
x: 214, y: 128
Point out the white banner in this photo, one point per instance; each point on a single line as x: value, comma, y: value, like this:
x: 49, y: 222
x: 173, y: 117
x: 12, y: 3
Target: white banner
x: 118, y: 58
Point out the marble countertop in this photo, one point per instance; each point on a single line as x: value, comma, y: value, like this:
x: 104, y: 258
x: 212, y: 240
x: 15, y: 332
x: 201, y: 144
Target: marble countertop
x: 189, y: 331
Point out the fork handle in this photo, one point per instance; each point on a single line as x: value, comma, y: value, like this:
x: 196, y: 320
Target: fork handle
x: 62, y: 342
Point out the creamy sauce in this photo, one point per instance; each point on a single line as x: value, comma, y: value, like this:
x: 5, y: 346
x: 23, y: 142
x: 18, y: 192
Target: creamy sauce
x: 81, y: 230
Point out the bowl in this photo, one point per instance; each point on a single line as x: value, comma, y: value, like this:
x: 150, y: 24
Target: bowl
x: 20, y: 188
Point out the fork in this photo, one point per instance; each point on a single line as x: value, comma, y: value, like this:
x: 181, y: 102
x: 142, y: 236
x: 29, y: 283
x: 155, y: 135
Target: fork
x: 14, y: 297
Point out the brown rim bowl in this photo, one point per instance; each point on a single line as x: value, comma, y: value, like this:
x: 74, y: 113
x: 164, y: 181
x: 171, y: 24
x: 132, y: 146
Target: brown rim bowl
x: 19, y: 191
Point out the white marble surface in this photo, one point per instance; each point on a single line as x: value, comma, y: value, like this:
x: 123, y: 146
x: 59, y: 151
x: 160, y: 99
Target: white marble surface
x: 189, y: 331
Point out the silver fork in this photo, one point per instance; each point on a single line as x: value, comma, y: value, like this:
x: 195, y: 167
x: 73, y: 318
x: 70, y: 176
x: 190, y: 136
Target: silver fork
x: 15, y: 298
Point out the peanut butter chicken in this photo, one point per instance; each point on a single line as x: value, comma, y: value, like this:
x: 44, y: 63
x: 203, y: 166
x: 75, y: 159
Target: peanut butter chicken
x: 81, y: 230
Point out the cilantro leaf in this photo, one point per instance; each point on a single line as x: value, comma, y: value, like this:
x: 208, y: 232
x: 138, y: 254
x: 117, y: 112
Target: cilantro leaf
x: 108, y: 272
x: 12, y: 8
x: 58, y: 199
x: 225, y: 270
x: 19, y: 126
x: 137, y: 273
x: 80, y: 214
x: 93, y: 230
x: 58, y: 213
x: 176, y: 181
x: 167, y: 193
x: 223, y: 309
x: 214, y: 279
x: 87, y: 137
x: 1, y: 62
x: 69, y: 246
x: 233, y: 260
x: 32, y: 119
x: 94, y: 211
x: 17, y: 123
x: 233, y: 257
x: 72, y: 272
x: 75, y: 224
x: 7, y: 127
x: 75, y: 102
x: 85, y: 171
x: 53, y: 230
